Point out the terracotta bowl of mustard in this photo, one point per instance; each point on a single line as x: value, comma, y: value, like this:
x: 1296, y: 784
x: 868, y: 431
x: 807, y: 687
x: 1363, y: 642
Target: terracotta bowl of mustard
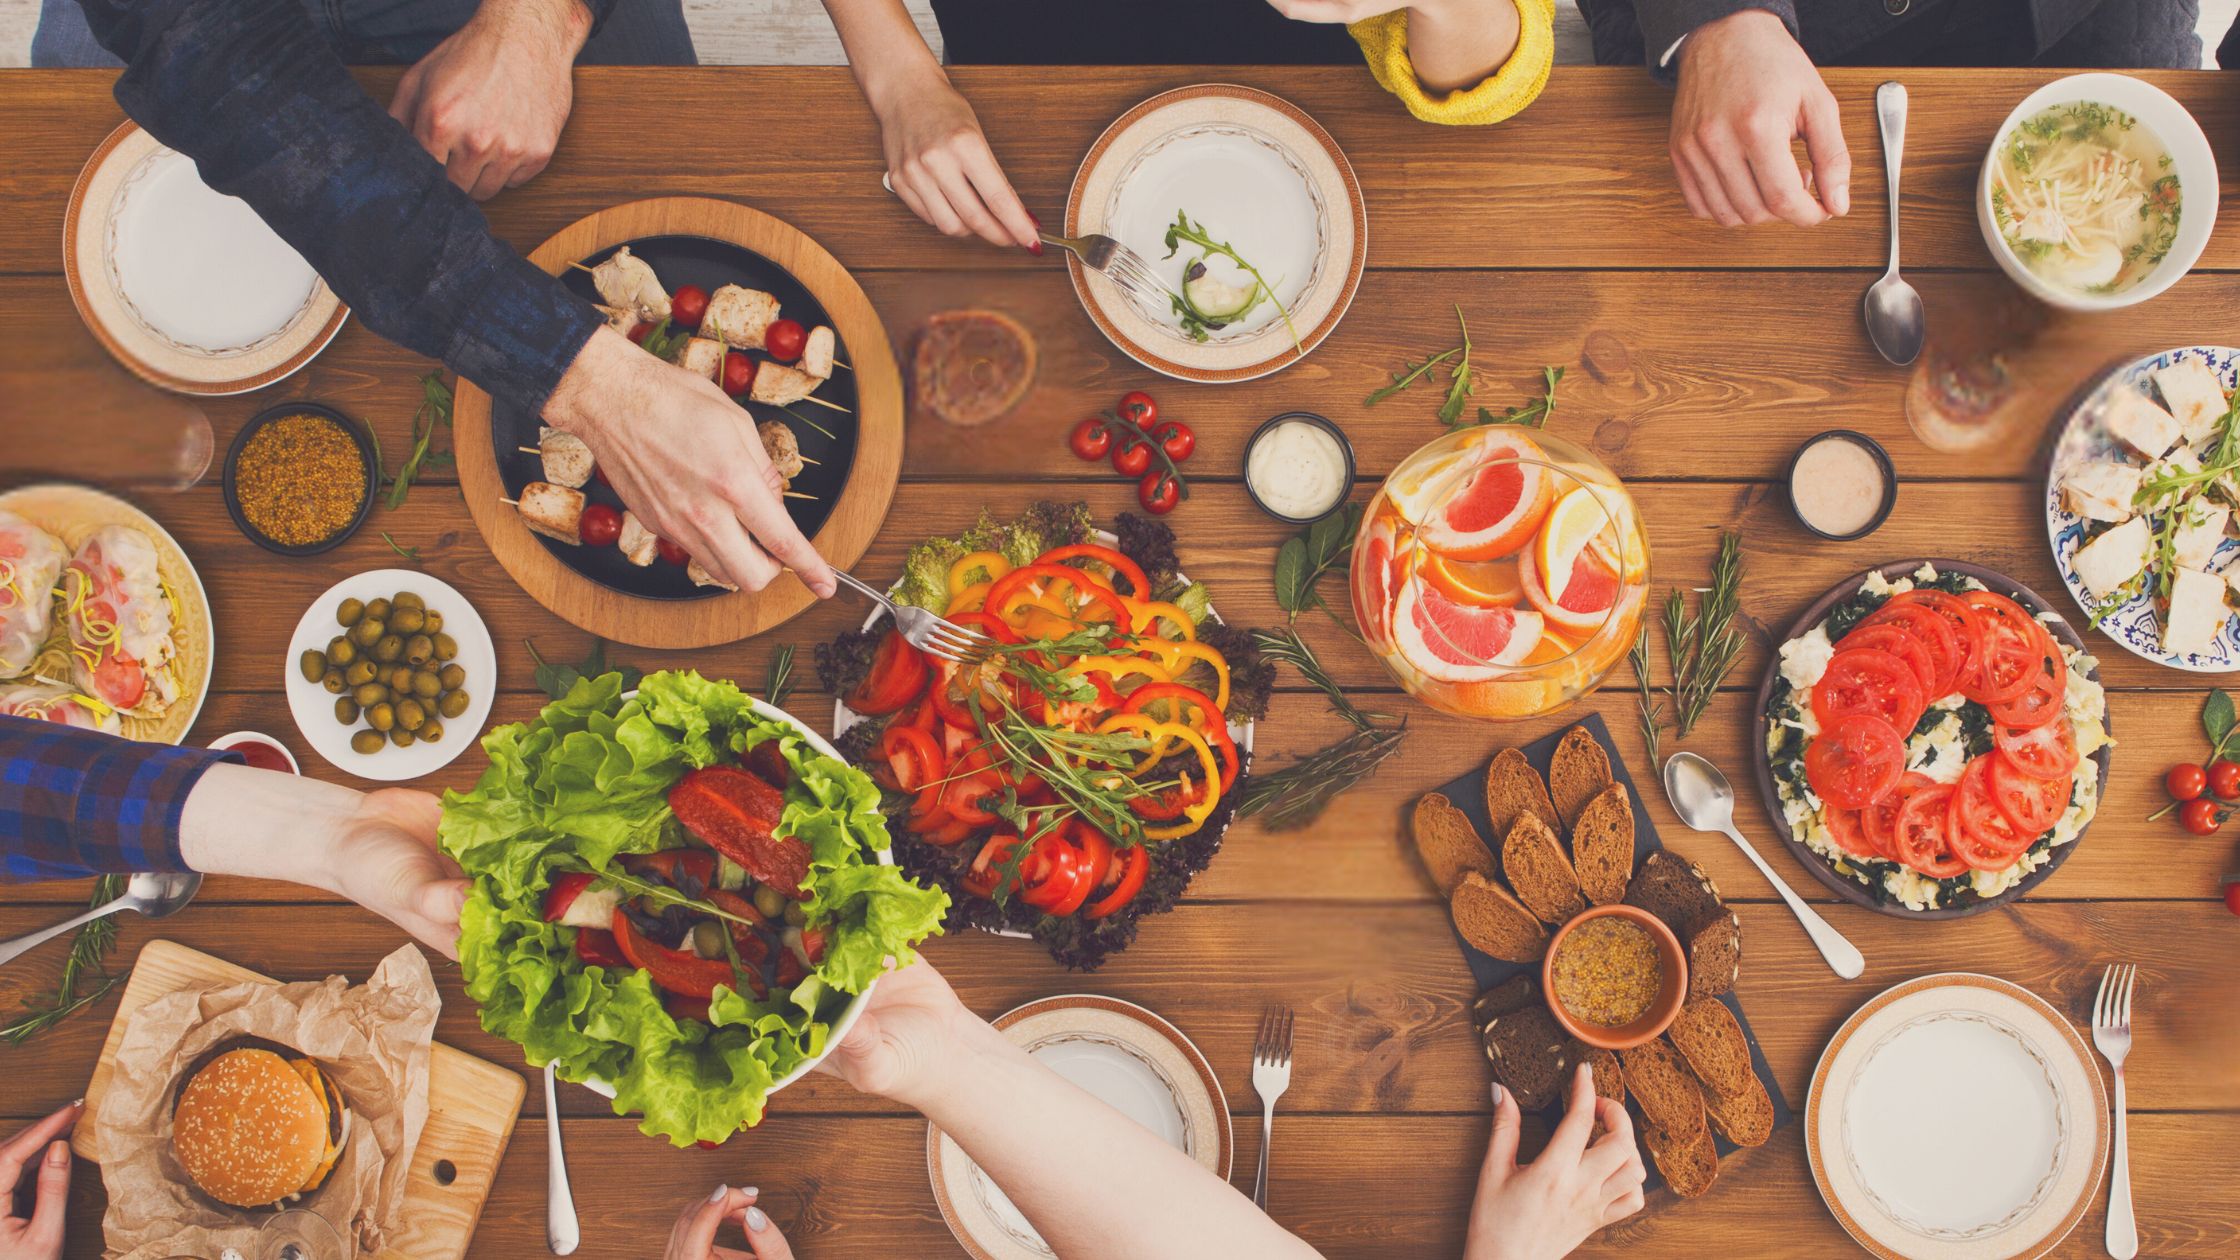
x: 1672, y: 982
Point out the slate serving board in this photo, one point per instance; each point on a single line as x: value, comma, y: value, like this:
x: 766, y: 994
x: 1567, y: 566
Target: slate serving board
x: 1468, y: 795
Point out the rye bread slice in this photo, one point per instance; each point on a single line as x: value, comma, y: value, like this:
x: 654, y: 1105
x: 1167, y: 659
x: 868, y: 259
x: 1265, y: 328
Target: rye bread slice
x: 1670, y: 1096
x: 1609, y: 1077
x: 1675, y: 890
x: 1577, y: 773
x: 1495, y: 922
x: 1714, y: 956
x: 1533, y: 862
x: 1514, y: 993
x: 1745, y: 1117
x: 1602, y: 845
x: 1448, y: 844
x: 1531, y: 1055
x: 1513, y: 789
x: 1708, y: 1037
x: 1689, y: 1161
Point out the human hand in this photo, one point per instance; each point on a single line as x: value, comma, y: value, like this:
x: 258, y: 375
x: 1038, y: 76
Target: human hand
x: 384, y: 857
x: 489, y: 101
x: 939, y: 162
x: 909, y: 1027
x: 1543, y: 1209
x: 694, y: 1237
x: 1747, y: 89
x: 686, y: 459
x: 38, y: 1236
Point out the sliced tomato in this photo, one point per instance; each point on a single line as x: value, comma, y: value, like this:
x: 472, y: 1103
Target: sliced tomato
x: 2039, y: 704
x: 913, y: 757
x: 1898, y: 642
x: 1866, y: 681
x: 1854, y: 760
x: 898, y: 676
x: 1921, y: 833
x: 1055, y: 878
x: 1958, y: 617
x: 1949, y: 645
x: 2032, y: 803
x: 947, y: 834
x: 1979, y: 832
x: 2013, y: 650
x: 963, y: 794
x: 988, y: 863
x: 1125, y: 878
x: 2043, y: 752
x: 597, y: 948
x: 1844, y: 826
x: 1880, y: 819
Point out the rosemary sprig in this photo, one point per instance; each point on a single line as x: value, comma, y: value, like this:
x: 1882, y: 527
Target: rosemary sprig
x: 1297, y: 794
x: 1650, y: 708
x: 778, y: 684
x: 1704, y: 647
x: 85, y: 962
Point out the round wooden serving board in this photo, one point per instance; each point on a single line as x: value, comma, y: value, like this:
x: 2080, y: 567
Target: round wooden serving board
x: 1851, y: 890
x: 845, y: 535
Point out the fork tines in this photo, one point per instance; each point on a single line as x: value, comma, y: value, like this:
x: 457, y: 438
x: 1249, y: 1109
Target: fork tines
x: 959, y: 645
x: 1127, y: 269
x: 1273, y: 1046
x: 2112, y: 1008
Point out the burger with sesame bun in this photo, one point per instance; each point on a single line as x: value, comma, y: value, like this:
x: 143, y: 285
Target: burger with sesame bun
x: 255, y: 1126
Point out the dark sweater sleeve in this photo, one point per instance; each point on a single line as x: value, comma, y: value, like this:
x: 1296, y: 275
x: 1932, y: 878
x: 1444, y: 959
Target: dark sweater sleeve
x: 76, y: 802
x: 1665, y: 23
x: 264, y: 106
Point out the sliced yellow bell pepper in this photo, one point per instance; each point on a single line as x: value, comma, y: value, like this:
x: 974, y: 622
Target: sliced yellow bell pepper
x: 1175, y: 655
x: 967, y: 599
x: 990, y: 565
x: 1167, y: 735
x: 1149, y: 614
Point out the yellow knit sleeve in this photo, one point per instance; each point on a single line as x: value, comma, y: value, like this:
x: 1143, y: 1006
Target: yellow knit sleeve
x: 1384, y: 41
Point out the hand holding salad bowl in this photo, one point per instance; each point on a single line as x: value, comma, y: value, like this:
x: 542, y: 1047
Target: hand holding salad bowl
x: 679, y: 894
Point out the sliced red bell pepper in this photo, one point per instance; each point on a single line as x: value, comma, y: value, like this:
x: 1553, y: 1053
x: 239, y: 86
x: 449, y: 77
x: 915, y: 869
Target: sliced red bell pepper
x: 733, y: 812
x: 682, y: 1008
x: 1085, y: 584
x: 1118, y: 561
x: 597, y: 948
x: 673, y: 864
x: 898, y: 674
x: 671, y: 969
x: 566, y: 887
x: 1128, y: 872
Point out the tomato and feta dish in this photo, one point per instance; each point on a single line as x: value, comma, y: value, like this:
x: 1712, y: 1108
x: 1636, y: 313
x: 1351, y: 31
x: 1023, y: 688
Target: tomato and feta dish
x: 1933, y: 741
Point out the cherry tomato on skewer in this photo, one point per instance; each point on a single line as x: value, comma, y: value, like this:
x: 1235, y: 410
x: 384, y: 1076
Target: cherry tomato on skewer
x: 738, y: 373
x: 688, y: 305
x: 784, y: 339
x: 1176, y: 439
x: 1132, y: 459
x: 599, y: 526
x: 1091, y: 439
x: 638, y: 331
x: 671, y: 552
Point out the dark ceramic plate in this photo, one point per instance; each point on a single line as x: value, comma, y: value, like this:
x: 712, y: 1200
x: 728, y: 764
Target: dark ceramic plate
x: 825, y: 435
x: 359, y: 435
x: 1824, y: 871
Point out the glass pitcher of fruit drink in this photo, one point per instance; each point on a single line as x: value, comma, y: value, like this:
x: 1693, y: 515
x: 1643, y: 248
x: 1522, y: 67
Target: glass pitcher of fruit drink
x: 1451, y: 573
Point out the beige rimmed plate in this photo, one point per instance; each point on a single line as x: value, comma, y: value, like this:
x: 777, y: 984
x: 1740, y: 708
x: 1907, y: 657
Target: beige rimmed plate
x: 186, y: 287
x: 72, y: 514
x: 1957, y: 1117
x: 1137, y: 1063
x: 1258, y: 174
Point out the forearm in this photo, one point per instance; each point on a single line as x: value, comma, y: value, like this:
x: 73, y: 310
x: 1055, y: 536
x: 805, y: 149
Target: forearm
x: 885, y: 51
x: 77, y: 802
x: 1456, y: 44
x: 240, y: 821
x: 1092, y: 1182
x: 1665, y: 24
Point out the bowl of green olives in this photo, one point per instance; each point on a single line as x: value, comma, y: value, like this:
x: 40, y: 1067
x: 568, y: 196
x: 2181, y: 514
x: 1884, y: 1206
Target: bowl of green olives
x: 391, y: 674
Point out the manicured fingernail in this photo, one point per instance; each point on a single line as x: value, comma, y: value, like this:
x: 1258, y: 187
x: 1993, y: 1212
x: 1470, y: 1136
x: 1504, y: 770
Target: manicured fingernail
x: 58, y: 1155
x: 756, y: 1221
x: 721, y: 1191
x: 1031, y: 219
x: 80, y: 1103
x: 749, y: 1191
x: 1035, y: 249
x: 1497, y: 1093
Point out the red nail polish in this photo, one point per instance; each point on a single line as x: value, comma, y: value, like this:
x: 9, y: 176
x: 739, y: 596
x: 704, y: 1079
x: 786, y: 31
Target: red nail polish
x: 1035, y: 249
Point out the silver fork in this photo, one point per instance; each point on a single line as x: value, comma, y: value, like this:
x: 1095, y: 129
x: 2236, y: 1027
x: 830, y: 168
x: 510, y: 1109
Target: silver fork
x: 1115, y: 262
x: 1271, y: 1075
x: 2111, y: 1032
x: 934, y: 635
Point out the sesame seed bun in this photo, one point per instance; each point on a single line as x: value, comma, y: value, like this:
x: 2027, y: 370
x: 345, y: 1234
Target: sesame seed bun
x: 252, y: 1128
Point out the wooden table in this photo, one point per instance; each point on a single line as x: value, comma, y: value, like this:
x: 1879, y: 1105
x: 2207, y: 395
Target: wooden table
x: 1699, y: 359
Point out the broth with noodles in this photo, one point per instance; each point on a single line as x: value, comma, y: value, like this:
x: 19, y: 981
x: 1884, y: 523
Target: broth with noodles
x: 2085, y: 196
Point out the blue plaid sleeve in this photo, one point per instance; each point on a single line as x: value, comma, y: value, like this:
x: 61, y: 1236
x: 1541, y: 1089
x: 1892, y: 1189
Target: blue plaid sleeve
x: 75, y: 802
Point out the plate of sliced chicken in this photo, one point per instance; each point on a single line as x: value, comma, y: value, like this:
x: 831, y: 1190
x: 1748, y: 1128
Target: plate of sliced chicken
x: 2143, y: 507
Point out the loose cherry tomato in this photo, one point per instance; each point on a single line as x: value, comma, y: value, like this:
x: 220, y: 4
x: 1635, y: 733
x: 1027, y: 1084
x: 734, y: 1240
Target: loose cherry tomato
x: 1158, y: 492
x: 1137, y: 406
x: 784, y: 339
x: 2224, y: 779
x: 1176, y: 439
x: 687, y: 305
x: 1091, y: 439
x: 2199, y: 817
x: 2232, y: 895
x: 738, y: 373
x: 2186, y: 782
x: 599, y: 525
x: 1132, y: 459
x: 671, y: 552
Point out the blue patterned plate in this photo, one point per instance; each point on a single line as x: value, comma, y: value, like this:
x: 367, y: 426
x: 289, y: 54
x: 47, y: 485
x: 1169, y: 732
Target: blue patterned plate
x: 2134, y: 625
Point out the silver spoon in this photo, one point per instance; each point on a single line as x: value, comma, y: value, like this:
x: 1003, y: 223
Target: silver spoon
x: 1705, y: 801
x: 561, y: 1233
x: 150, y: 894
x: 1895, y: 320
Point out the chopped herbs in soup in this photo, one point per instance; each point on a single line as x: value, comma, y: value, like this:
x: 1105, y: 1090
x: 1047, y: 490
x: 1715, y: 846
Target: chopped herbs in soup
x: 2086, y: 197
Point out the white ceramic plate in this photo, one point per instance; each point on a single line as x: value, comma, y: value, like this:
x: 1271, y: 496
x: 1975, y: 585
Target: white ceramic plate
x: 187, y: 287
x: 1957, y: 1117
x: 2134, y: 625
x: 312, y: 705
x: 1128, y: 1058
x: 1256, y: 173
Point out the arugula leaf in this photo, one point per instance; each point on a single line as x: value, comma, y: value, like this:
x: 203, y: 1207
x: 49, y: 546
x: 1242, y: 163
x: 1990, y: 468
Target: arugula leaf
x: 1460, y: 383
x: 1534, y: 414
x: 409, y: 553
x: 434, y: 413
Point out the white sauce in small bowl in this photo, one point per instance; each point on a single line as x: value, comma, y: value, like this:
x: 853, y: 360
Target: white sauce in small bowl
x: 1839, y: 486
x: 1297, y: 469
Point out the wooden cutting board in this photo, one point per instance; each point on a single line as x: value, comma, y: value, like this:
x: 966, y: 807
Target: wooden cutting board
x: 472, y: 1106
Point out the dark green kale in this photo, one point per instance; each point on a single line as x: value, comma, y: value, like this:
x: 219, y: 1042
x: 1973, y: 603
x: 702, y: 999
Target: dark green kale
x: 1252, y: 677
x: 845, y: 661
x: 1150, y: 544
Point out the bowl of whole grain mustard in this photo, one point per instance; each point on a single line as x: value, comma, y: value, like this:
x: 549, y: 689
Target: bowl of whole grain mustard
x: 1615, y: 977
x: 300, y: 478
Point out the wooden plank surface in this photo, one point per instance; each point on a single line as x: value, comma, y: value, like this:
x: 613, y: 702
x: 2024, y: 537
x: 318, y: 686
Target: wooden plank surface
x: 1698, y: 360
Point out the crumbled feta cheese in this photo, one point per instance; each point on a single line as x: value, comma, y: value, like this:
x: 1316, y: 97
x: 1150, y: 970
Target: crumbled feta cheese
x: 1805, y: 658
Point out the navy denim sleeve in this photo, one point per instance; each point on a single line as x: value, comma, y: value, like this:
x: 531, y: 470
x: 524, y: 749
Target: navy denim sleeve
x: 250, y: 90
x: 76, y: 802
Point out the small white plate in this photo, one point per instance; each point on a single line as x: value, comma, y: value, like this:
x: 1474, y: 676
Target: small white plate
x: 1127, y: 1058
x: 1957, y: 1117
x: 187, y: 287
x: 312, y: 705
x: 1255, y: 172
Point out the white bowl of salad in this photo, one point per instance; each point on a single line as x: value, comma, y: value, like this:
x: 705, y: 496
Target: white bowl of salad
x: 681, y: 897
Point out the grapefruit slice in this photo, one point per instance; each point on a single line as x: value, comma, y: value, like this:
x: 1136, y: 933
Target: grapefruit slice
x: 1495, y: 509
x: 1590, y: 593
x: 1480, y: 584
x: 1453, y: 642
x: 1574, y: 524
x: 1379, y: 564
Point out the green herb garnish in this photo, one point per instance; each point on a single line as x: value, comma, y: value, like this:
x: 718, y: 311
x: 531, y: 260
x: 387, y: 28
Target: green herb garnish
x: 85, y: 962
x: 434, y: 413
x: 1196, y: 322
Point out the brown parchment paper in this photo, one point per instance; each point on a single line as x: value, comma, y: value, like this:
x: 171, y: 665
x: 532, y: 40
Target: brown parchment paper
x: 371, y: 1039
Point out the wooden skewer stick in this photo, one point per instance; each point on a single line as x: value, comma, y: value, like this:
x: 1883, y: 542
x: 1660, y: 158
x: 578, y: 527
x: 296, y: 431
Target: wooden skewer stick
x: 806, y: 460
x: 807, y: 421
x: 511, y: 503
x: 580, y: 267
x: 796, y: 494
x: 822, y: 403
x: 530, y: 450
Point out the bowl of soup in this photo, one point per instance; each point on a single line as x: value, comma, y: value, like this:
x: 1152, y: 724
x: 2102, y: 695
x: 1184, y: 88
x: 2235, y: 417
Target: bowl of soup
x: 2098, y: 192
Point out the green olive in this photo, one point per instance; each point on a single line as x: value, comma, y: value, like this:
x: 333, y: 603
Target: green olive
x: 418, y: 649
x: 369, y: 694
x: 348, y: 612
x: 359, y: 674
x: 446, y: 647
x: 707, y: 939
x: 366, y: 743
x: 434, y: 622
x: 411, y: 715
x: 453, y: 676
x: 346, y: 710
x: 388, y: 648
x: 368, y: 632
x: 378, y: 610
x: 341, y: 651
x: 398, y: 678
x: 430, y: 732
x: 380, y: 716
x: 453, y: 703
x: 407, y: 620
x: 313, y: 663
x: 797, y: 915
x: 332, y: 681
x: 408, y: 599
x: 426, y: 685
x: 401, y: 737
x: 769, y: 901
